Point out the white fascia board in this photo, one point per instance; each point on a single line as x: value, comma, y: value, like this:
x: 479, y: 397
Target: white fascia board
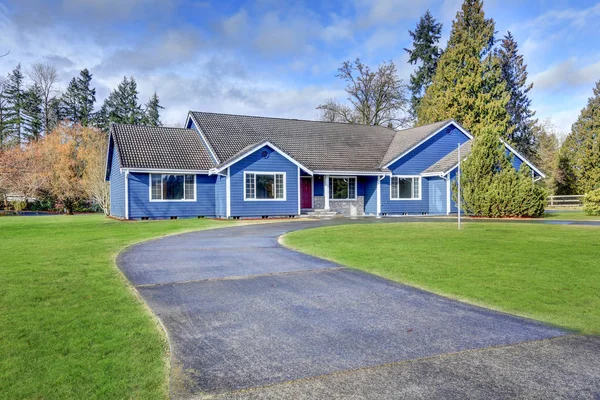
x: 258, y: 146
x: 511, y: 149
x: 167, y: 171
x: 204, y: 139
x: 451, y: 122
x: 526, y: 161
x: 429, y: 174
x: 346, y: 173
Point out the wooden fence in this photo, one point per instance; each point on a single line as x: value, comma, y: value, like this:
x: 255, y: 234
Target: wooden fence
x: 565, y: 201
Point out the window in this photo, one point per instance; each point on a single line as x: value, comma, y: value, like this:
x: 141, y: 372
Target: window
x: 406, y: 188
x: 172, y: 187
x: 264, y: 186
x: 342, y: 188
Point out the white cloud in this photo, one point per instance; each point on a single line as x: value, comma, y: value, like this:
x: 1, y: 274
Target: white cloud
x: 387, y: 12
x: 566, y: 75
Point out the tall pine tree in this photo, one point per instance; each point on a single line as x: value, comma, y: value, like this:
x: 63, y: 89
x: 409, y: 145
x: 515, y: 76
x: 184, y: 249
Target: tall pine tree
x: 33, y: 115
x: 425, y: 51
x: 586, y: 134
x: 467, y: 85
x: 152, y: 112
x: 121, y: 106
x: 86, y: 96
x: 514, y: 74
x: 4, y: 126
x: 14, y: 92
x: 79, y: 98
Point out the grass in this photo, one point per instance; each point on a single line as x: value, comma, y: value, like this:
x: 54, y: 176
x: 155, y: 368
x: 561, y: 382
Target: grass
x: 571, y: 215
x: 545, y: 272
x: 71, y: 327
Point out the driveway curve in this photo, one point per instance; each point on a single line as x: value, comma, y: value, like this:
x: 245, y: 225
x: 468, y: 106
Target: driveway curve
x: 243, y: 312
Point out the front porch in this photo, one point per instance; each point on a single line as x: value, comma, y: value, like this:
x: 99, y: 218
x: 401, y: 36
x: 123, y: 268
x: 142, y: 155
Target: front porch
x: 347, y: 195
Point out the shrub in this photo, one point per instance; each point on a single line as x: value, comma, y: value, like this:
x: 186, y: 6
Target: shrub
x: 591, y: 202
x: 18, y: 206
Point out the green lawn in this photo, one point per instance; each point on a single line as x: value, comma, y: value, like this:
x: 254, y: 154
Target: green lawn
x: 71, y: 327
x: 546, y: 272
x: 571, y: 215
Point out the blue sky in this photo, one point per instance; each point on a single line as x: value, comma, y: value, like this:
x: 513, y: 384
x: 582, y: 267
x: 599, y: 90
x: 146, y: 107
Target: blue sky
x: 277, y: 58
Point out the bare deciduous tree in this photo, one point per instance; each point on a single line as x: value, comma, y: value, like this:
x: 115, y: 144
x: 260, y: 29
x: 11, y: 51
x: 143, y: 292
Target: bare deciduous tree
x: 45, y: 76
x: 376, y: 97
x: 94, y: 145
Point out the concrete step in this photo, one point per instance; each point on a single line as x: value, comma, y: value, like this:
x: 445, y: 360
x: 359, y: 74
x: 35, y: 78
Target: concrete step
x: 320, y: 213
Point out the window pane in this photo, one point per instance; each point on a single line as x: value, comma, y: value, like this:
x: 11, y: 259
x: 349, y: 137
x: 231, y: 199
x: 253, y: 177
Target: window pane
x: 265, y: 185
x: 351, y: 188
x: 172, y: 187
x: 250, y: 194
x: 189, y: 187
x: 340, y: 188
x: 280, y: 191
x: 416, y: 183
x: 156, y: 189
x: 405, y: 188
x: 394, y: 187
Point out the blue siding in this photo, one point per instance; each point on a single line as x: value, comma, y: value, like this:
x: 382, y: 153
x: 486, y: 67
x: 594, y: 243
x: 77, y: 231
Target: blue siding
x: 221, y: 197
x: 256, y: 163
x: 370, y: 194
x: 141, y: 206
x: 437, y: 195
x: 117, y: 186
x: 429, y: 152
x: 319, y: 186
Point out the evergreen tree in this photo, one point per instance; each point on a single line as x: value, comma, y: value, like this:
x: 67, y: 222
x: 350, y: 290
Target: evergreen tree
x: 514, y: 74
x: 490, y: 185
x: 152, y: 113
x: 79, y: 98
x: 4, y: 126
x: 425, y: 50
x: 86, y: 96
x: 33, y: 117
x: 121, y: 106
x: 467, y: 85
x: 565, y: 180
x: 70, y: 107
x: 100, y: 119
x: 586, y: 133
x: 14, y: 93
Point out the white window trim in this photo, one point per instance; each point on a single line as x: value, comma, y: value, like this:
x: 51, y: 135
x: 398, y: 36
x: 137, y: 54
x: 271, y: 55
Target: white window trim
x: 344, y: 177
x: 184, y: 200
x: 274, y: 180
x: 408, y: 176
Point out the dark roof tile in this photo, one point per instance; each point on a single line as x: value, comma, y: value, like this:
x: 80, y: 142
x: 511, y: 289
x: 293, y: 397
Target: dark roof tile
x: 160, y: 147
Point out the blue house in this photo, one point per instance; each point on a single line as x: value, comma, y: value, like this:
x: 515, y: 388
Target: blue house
x: 235, y: 166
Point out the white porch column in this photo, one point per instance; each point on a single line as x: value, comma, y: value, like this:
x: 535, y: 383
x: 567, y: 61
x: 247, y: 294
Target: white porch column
x: 326, y: 191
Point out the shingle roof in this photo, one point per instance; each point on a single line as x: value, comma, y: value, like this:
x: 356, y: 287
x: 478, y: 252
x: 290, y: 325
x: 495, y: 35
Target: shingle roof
x: 451, y: 159
x: 408, y: 138
x: 320, y: 146
x: 160, y: 147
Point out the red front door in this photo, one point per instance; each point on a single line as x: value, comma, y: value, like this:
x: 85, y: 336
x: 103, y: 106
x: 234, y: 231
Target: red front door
x: 306, y: 192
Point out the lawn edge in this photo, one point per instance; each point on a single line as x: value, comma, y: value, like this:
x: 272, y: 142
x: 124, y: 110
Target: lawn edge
x: 281, y: 240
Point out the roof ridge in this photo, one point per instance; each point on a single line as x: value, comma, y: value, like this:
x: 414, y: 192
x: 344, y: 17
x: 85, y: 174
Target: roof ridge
x: 148, y: 126
x: 296, y: 119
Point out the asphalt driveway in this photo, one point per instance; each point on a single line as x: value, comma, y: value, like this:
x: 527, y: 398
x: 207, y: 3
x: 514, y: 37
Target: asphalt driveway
x: 243, y: 313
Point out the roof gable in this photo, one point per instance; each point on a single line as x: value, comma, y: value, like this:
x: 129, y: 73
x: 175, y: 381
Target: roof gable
x: 153, y: 147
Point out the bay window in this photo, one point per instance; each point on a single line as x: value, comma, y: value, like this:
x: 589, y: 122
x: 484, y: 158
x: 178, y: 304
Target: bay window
x: 172, y: 187
x: 405, y: 188
x: 264, y: 186
x: 342, y: 188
